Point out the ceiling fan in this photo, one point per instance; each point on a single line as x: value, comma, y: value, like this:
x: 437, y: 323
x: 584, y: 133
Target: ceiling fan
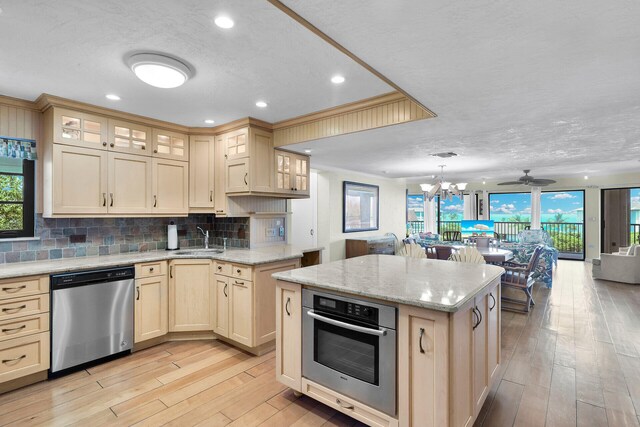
x: 529, y: 180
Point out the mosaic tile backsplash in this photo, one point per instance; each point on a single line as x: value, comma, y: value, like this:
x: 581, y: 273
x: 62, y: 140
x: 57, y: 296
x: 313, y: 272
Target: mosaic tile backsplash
x: 79, y: 237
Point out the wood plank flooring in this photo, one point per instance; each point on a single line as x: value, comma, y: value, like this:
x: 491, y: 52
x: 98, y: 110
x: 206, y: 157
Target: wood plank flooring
x: 573, y: 361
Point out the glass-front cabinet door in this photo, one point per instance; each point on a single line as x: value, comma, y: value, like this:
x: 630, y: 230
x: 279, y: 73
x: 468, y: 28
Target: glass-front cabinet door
x: 237, y: 144
x: 79, y: 129
x: 301, y: 185
x: 283, y: 172
x: 128, y: 137
x: 170, y: 145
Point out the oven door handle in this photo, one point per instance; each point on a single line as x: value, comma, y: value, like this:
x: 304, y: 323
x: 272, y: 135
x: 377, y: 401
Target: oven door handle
x: 378, y: 332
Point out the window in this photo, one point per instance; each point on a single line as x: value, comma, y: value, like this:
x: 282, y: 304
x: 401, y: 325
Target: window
x: 415, y: 212
x: 510, y: 207
x: 634, y: 217
x: 450, y: 213
x: 16, y: 198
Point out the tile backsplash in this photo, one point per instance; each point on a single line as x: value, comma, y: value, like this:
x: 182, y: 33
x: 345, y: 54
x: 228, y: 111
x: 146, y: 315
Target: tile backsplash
x: 79, y: 237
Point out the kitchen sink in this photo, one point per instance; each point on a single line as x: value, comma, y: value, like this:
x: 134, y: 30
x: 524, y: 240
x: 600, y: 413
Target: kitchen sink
x: 199, y: 251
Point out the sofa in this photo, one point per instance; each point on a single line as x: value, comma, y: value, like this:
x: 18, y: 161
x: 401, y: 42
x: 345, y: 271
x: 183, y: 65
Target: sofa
x: 618, y: 267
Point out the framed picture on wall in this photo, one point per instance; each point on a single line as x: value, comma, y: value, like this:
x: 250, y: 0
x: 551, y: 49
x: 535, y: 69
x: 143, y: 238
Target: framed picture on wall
x: 360, y: 207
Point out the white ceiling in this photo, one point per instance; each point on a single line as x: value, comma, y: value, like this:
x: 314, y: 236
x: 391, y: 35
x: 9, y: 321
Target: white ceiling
x: 76, y: 50
x: 546, y: 85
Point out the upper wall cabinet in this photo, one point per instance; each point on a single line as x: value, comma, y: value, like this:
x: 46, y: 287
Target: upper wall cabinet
x: 130, y: 138
x: 201, y: 173
x: 170, y: 145
x: 79, y: 129
x: 249, y: 162
x: 291, y: 174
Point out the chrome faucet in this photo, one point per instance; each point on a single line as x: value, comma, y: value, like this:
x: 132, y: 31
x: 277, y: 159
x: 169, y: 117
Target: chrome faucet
x: 206, y: 237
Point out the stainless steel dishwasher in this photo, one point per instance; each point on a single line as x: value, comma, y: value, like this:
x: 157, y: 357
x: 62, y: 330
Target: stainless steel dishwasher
x: 91, y: 316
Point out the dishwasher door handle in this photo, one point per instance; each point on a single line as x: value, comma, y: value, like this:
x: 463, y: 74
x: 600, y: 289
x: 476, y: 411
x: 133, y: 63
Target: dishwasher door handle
x: 379, y: 332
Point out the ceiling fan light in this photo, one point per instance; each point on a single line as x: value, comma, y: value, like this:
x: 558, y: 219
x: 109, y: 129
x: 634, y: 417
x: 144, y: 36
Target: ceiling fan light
x: 426, y: 187
x: 461, y: 186
x: 446, y: 185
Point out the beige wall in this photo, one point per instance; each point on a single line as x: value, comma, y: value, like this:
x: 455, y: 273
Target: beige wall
x: 592, y: 188
x: 392, y: 210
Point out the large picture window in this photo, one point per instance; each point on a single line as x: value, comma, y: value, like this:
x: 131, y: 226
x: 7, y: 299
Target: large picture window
x: 16, y: 198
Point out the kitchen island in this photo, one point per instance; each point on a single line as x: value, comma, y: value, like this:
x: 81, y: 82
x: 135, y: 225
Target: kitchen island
x: 447, y: 350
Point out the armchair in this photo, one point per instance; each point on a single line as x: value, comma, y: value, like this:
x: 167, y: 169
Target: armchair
x: 618, y: 268
x: 520, y: 277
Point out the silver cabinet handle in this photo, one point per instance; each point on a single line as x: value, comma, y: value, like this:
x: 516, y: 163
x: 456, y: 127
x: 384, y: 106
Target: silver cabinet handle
x: 378, y: 332
x: 15, y: 359
x: 344, y: 405
x: 13, y: 289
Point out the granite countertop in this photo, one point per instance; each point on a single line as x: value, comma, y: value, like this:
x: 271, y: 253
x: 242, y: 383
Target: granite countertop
x: 257, y: 256
x: 428, y: 283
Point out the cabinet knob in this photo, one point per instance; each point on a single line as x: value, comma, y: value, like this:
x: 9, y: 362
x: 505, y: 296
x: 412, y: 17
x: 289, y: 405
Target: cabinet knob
x: 150, y: 269
x: 155, y: 151
x: 104, y: 143
x: 238, y: 271
x: 144, y: 148
x: 112, y: 145
x: 219, y: 267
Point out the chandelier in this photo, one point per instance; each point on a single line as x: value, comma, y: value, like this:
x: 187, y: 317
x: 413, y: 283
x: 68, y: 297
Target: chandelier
x: 445, y: 189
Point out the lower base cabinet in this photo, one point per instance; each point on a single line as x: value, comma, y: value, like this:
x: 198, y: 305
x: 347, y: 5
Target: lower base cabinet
x: 151, y: 308
x: 191, y: 295
x: 447, y: 362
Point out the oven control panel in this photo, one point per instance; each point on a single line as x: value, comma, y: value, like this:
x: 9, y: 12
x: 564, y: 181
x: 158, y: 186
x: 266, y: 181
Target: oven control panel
x: 348, y: 309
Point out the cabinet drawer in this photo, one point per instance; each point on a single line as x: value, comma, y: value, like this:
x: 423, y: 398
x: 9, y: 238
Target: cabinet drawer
x: 19, y: 307
x: 24, y: 356
x: 241, y: 271
x: 12, y: 288
x: 23, y: 326
x: 348, y: 406
x: 150, y: 269
x: 222, y: 268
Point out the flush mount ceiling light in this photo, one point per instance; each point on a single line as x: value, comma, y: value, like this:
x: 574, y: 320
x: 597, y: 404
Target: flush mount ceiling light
x: 223, y: 22
x: 159, y: 70
x: 443, y: 188
x: 337, y: 79
x: 307, y: 151
x: 261, y: 104
x: 112, y: 97
x: 209, y: 121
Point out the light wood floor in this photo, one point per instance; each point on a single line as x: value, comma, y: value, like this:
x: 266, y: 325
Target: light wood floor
x: 575, y: 360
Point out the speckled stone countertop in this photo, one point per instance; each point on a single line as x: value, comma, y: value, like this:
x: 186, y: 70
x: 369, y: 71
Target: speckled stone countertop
x: 257, y: 256
x: 428, y: 283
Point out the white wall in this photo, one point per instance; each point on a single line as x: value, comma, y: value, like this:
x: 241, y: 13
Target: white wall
x: 392, y: 210
x: 592, y: 188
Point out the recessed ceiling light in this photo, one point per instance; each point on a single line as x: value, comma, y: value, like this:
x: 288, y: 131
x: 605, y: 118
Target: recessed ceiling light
x: 261, y: 104
x: 159, y: 70
x: 484, y: 182
x: 224, y: 22
x: 586, y: 177
x: 112, y: 97
x: 337, y: 79
x: 209, y: 121
x: 307, y: 151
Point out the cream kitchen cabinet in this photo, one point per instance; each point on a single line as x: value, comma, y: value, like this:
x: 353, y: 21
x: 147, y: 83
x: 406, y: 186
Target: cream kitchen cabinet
x: 170, y: 145
x: 132, y: 138
x: 249, y: 162
x: 202, y: 173
x: 88, y: 182
x: 289, y: 334
x: 191, y: 295
x: 220, y: 201
x: 292, y: 174
x: 151, y: 303
x: 247, y: 295
x: 75, y: 181
x: 130, y: 179
x: 76, y: 128
x: 170, y: 187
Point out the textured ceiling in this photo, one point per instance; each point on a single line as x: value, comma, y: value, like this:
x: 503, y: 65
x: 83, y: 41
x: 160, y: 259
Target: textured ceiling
x: 75, y: 50
x: 547, y: 85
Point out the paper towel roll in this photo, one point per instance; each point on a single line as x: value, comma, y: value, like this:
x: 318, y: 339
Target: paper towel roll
x: 172, y: 236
